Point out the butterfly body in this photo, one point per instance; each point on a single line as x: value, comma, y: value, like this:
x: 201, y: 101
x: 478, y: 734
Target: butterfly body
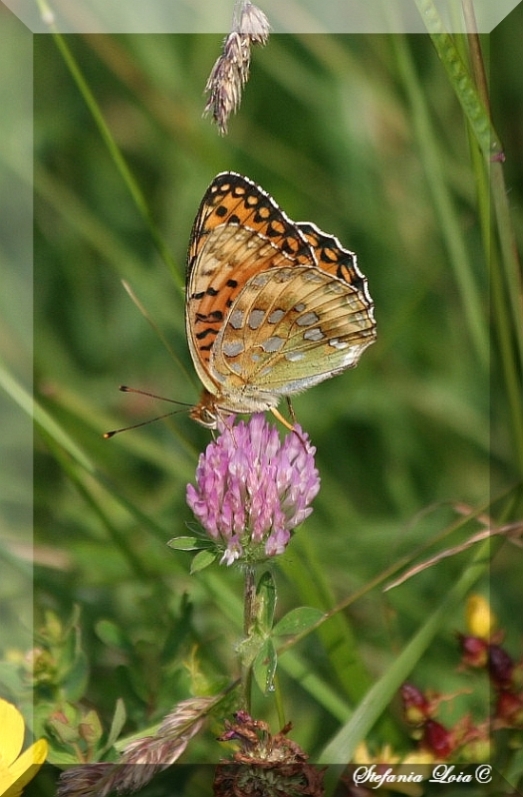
x: 273, y: 307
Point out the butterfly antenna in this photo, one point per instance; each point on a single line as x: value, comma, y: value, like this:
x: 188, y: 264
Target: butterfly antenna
x: 127, y: 389
x: 107, y: 435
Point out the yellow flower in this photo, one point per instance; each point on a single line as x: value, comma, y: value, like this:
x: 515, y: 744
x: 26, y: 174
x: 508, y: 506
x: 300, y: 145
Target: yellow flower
x: 385, y: 755
x: 17, y: 770
x: 480, y: 619
x: 419, y: 758
x: 387, y: 762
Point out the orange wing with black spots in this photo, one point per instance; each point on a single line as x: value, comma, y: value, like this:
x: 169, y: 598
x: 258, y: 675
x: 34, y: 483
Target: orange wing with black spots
x: 272, y: 306
x: 239, y: 231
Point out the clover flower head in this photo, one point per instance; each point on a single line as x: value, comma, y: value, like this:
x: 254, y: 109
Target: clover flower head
x: 252, y: 490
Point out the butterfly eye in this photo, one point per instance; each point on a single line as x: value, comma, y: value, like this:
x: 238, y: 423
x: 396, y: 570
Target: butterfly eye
x: 205, y: 416
x: 208, y: 419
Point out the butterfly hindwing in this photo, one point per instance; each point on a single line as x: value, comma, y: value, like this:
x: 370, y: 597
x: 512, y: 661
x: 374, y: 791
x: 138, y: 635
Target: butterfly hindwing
x: 291, y: 328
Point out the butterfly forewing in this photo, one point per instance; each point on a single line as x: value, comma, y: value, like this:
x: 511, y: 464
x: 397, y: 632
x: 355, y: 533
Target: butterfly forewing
x: 239, y: 230
x: 231, y: 201
x: 332, y: 257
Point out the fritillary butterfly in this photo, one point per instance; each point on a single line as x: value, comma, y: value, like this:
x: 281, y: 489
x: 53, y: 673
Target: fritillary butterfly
x: 272, y: 307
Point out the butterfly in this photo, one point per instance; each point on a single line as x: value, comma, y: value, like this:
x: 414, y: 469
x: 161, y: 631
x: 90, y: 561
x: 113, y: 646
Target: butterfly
x: 273, y: 306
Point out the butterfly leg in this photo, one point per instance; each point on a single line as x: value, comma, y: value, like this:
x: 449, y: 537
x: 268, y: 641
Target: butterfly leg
x: 277, y: 414
x: 291, y: 410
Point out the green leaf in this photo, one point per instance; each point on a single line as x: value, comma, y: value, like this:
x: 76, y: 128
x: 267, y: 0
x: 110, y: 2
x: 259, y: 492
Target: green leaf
x: 264, y: 667
x: 119, y: 717
x: 298, y: 620
x: 266, y: 602
x: 91, y: 728
x: 112, y: 635
x: 202, y: 560
x: 42, y: 712
x: 62, y: 758
x: 73, y: 667
x: 185, y: 543
x: 249, y: 648
x: 11, y: 677
x: 75, y: 681
x: 64, y: 732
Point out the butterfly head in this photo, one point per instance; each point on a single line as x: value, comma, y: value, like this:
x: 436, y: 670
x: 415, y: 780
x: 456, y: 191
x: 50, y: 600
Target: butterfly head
x: 205, y: 412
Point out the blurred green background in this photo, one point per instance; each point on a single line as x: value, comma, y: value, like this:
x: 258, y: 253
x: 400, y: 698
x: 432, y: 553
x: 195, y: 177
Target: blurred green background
x: 363, y: 136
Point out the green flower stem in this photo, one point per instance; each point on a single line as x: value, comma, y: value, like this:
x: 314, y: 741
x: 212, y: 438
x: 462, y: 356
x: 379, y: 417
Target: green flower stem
x: 249, y: 614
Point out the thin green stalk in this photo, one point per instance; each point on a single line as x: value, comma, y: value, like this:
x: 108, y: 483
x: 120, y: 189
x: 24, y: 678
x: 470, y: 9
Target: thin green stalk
x: 446, y: 212
x: 511, y: 374
x: 278, y: 701
x: 63, y: 443
x: 505, y: 270
x: 508, y: 246
x: 505, y: 284
x: 466, y: 92
x: 476, y: 56
x: 107, y: 137
x: 341, y: 748
x: 119, y: 540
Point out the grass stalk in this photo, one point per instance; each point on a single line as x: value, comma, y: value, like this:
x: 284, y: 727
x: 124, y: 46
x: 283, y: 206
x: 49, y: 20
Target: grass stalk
x: 501, y: 251
x: 443, y: 203
x: 108, y: 139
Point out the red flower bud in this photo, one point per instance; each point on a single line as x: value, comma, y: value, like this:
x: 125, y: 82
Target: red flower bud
x: 509, y: 710
x: 415, y: 704
x: 500, y: 666
x: 437, y: 739
x: 474, y: 650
